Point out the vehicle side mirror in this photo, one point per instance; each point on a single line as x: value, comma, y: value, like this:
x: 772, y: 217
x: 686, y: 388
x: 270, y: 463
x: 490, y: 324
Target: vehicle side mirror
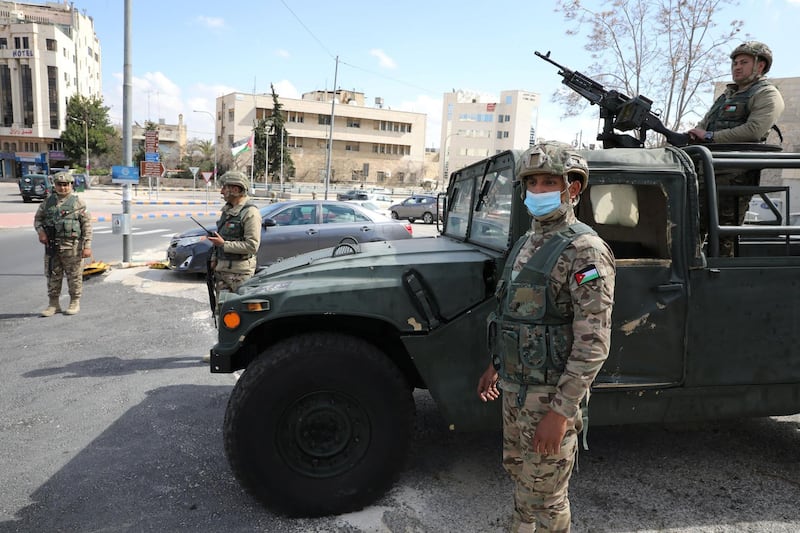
x: 269, y: 222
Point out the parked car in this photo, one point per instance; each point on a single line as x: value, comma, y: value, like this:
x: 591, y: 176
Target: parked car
x: 416, y: 207
x: 352, y: 194
x: 794, y: 219
x: 291, y: 228
x: 35, y: 186
x: 372, y: 206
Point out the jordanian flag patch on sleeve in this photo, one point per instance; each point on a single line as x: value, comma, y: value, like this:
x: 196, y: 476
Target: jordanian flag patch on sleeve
x: 586, y: 275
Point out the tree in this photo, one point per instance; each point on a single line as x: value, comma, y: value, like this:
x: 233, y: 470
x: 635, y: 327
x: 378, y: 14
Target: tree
x: 86, y: 123
x: 670, y: 51
x: 273, y: 128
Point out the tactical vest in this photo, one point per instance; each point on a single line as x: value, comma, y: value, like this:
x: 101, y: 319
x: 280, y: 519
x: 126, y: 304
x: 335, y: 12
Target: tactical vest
x: 230, y: 228
x: 529, y: 338
x: 729, y: 112
x: 64, y: 219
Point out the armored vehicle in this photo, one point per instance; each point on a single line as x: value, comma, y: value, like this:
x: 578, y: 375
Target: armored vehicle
x: 331, y: 344
x: 35, y: 186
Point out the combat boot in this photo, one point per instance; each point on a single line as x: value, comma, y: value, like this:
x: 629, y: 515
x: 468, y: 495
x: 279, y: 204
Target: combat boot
x: 53, y: 308
x: 74, y: 307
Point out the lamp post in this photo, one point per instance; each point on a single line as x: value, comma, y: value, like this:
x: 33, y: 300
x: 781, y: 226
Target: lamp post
x: 86, y: 137
x: 215, y: 140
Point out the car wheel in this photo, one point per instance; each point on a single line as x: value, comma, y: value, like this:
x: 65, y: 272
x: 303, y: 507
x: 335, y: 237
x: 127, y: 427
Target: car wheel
x: 411, y: 219
x: 427, y: 218
x: 395, y: 215
x: 26, y: 199
x: 318, y: 424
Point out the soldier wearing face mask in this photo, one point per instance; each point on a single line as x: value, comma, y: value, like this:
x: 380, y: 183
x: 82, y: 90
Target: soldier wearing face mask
x: 549, y: 336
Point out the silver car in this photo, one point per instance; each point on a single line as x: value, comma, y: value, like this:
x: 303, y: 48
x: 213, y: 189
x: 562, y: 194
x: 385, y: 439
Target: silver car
x: 416, y: 207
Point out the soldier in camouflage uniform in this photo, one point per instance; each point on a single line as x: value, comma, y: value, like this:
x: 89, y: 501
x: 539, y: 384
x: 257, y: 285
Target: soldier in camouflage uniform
x: 233, y: 258
x: 549, y: 336
x: 745, y: 112
x: 64, y: 226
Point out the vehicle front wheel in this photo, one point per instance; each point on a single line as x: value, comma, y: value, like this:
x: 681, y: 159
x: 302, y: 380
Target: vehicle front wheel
x: 427, y: 218
x: 395, y: 215
x: 26, y: 199
x: 318, y: 424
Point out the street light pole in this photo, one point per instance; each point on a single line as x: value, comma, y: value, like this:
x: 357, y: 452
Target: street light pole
x: 86, y: 136
x: 215, y: 140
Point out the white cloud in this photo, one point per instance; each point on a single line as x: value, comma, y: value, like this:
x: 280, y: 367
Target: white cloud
x: 215, y: 23
x: 383, y: 59
x: 282, y: 53
x: 285, y: 89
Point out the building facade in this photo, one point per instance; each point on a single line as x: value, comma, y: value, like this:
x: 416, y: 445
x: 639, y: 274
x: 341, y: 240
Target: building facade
x: 371, y: 145
x: 48, y: 53
x: 475, y: 127
x: 171, y: 140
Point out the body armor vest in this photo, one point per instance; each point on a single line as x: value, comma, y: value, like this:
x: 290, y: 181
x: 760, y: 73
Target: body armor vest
x: 729, y: 112
x: 64, y: 219
x: 529, y: 338
x: 230, y: 228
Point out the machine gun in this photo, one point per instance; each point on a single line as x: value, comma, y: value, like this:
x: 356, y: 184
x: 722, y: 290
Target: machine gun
x: 618, y: 111
x: 210, y: 285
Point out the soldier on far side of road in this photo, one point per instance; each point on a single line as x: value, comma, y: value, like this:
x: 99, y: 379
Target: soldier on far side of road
x: 64, y: 226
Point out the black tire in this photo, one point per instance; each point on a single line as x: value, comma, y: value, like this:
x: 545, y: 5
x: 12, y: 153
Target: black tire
x: 427, y: 218
x: 319, y: 424
x: 411, y: 219
x: 395, y: 215
x: 26, y: 199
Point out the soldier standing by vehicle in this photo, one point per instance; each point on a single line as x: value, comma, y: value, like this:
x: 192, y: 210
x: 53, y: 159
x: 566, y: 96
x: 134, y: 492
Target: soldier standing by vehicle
x: 238, y: 235
x: 549, y: 336
x: 64, y: 226
x: 745, y: 112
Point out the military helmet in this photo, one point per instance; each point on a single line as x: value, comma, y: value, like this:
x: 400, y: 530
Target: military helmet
x: 552, y: 157
x: 63, y: 177
x: 756, y: 49
x: 233, y: 177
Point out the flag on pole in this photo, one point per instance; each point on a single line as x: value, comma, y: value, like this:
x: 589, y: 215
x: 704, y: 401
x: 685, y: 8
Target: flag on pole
x: 242, y: 146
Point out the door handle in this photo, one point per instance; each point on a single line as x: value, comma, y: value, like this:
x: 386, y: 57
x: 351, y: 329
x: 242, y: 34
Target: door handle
x: 669, y: 287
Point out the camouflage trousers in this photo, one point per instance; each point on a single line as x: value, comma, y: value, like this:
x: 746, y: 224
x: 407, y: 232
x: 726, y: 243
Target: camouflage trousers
x: 64, y: 263
x: 228, y: 281
x: 731, y: 207
x: 540, y: 481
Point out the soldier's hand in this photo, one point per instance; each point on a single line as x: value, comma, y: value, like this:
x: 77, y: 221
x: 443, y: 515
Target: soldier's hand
x: 42, y: 237
x: 87, y: 252
x: 215, y: 239
x: 487, y: 385
x: 549, y: 433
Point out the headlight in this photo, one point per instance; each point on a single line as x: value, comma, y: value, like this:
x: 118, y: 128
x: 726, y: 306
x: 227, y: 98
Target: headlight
x: 188, y: 241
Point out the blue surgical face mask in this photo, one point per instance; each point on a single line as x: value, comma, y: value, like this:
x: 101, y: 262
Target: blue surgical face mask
x: 541, y: 204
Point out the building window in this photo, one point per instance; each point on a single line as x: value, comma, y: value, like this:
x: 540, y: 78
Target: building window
x: 52, y: 96
x: 230, y: 115
x: 26, y: 83
x: 505, y: 135
x: 6, y: 104
x: 353, y: 123
x: 294, y: 142
x: 51, y: 45
x: 351, y: 147
x: 296, y: 117
x: 324, y: 120
x: 381, y: 177
x: 25, y: 44
x: 499, y: 134
x: 3, y: 43
x: 17, y: 43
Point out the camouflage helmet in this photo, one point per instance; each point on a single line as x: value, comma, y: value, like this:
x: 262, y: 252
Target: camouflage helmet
x: 63, y: 177
x: 551, y: 157
x: 756, y: 49
x: 233, y: 177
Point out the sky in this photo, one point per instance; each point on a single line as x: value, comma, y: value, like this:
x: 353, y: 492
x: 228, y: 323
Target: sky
x: 186, y: 54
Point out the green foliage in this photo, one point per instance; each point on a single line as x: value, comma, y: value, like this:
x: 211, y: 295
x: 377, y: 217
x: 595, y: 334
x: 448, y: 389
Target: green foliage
x: 272, y: 127
x: 86, y: 120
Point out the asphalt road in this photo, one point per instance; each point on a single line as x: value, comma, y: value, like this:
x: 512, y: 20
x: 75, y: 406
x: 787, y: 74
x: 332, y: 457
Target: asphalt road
x: 111, y: 423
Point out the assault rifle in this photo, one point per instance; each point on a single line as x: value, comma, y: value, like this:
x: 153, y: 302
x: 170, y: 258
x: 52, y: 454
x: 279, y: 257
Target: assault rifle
x: 210, y: 285
x: 618, y: 111
x: 51, y: 248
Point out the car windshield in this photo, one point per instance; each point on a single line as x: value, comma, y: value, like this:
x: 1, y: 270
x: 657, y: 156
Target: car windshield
x: 479, y: 206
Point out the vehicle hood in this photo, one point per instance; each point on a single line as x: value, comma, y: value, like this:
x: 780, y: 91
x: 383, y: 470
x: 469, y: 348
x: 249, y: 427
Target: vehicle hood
x: 382, y: 277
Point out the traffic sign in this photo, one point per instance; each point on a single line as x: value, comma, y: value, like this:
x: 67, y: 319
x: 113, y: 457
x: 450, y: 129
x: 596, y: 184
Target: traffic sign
x: 152, y: 157
x: 207, y: 176
x: 194, y: 170
x: 151, y: 141
x: 151, y: 169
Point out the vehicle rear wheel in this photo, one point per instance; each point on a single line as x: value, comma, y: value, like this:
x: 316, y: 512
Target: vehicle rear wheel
x: 395, y: 215
x: 318, y: 424
x: 427, y: 218
x: 26, y: 199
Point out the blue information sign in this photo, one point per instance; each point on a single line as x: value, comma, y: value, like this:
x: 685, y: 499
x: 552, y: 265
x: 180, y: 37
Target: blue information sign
x: 152, y: 157
x: 123, y: 174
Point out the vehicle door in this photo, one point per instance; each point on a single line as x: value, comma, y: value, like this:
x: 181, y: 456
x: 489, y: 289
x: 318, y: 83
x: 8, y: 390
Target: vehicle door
x: 640, y: 215
x: 340, y: 221
x: 407, y: 208
x: 296, y: 231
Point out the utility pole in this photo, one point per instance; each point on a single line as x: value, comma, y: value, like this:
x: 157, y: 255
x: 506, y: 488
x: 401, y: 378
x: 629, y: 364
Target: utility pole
x: 330, y: 137
x: 127, y: 129
x: 215, y: 140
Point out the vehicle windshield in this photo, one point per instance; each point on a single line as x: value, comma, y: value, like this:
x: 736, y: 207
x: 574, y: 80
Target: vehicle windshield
x: 479, y: 207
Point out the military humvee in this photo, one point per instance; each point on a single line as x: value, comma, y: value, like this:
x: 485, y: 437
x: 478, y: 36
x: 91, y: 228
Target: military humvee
x: 332, y: 343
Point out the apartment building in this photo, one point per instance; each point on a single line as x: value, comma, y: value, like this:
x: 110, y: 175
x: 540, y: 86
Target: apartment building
x: 475, y: 127
x: 48, y: 53
x: 372, y: 145
x: 171, y: 140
